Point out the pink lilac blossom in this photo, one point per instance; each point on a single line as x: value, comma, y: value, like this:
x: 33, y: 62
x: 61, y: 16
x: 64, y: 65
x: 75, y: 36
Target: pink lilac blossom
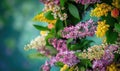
x: 47, y: 1
x: 46, y: 66
x: 67, y: 57
x: 59, y: 45
x: 107, y: 58
x: 44, y: 51
x: 87, y: 1
x: 81, y: 30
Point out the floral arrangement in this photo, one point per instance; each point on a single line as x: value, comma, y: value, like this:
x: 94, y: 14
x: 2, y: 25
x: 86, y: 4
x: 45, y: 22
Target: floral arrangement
x: 65, y: 39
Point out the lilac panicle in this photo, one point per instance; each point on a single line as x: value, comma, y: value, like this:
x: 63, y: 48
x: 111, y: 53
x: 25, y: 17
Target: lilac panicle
x: 59, y: 45
x: 81, y: 30
x: 46, y: 66
x: 87, y: 1
x: 67, y: 57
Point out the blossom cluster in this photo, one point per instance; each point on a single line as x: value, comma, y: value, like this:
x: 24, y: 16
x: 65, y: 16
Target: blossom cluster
x: 40, y: 17
x: 66, y: 43
x: 53, y: 5
x: 67, y: 57
x: 38, y: 42
x: 107, y: 58
x: 59, y: 45
x: 81, y: 30
x: 102, y: 28
x: 93, y: 52
x: 116, y: 3
x: 101, y: 10
x: 87, y: 1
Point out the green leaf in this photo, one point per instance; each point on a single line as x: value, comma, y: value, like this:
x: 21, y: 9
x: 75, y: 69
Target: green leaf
x: 48, y: 37
x: 82, y: 68
x: 62, y: 2
x: 59, y: 64
x: 111, y: 36
x: 37, y: 55
x: 49, y: 15
x: 86, y: 63
x: 41, y: 28
x: 117, y: 27
x: 73, y: 11
x: 109, y: 20
x: 52, y: 50
x: 86, y: 6
x: 59, y: 25
x: 69, y: 40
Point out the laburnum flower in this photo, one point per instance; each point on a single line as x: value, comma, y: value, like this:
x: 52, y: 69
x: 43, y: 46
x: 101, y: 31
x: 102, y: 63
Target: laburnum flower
x: 112, y: 67
x: 64, y: 68
x: 43, y: 33
x: 116, y: 3
x: 102, y: 28
x: 115, y: 13
x: 101, y: 10
x: 40, y: 17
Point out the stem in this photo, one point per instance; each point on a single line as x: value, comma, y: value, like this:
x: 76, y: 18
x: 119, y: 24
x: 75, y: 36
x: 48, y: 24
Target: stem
x: 65, y: 23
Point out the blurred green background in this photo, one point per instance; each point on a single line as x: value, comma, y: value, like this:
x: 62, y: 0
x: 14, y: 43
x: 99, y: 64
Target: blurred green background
x: 16, y: 30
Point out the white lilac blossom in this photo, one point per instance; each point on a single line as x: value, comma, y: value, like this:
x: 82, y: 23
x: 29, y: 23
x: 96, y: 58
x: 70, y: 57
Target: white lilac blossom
x: 53, y: 5
x: 81, y: 30
x: 38, y: 42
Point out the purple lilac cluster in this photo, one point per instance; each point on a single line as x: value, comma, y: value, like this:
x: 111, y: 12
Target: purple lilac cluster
x: 81, y: 30
x: 67, y: 57
x: 107, y: 59
x: 46, y: 66
x: 59, y: 45
x: 44, y: 51
x: 87, y: 1
x: 47, y: 1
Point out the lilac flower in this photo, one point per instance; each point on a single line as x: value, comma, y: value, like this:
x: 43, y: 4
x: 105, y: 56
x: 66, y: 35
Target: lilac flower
x: 113, y: 48
x: 106, y: 59
x: 47, y: 1
x: 60, y: 44
x: 44, y: 51
x: 87, y: 1
x: 46, y: 66
x: 98, y: 65
x: 81, y: 30
x: 68, y: 58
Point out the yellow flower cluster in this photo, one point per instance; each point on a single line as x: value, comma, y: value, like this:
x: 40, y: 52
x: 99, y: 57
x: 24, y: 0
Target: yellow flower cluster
x: 44, y: 33
x: 116, y: 3
x: 102, y: 28
x: 64, y: 68
x: 94, y: 52
x: 112, y: 67
x: 101, y: 10
x: 40, y: 17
